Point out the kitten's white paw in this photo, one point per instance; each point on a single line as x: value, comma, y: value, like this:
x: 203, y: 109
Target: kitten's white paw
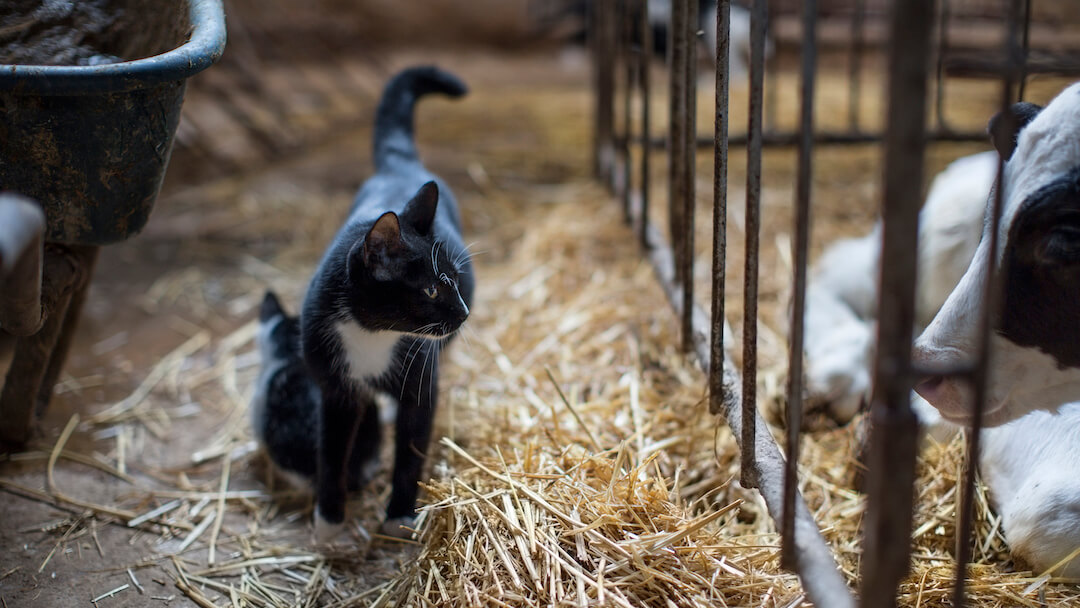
x: 398, y: 527
x: 325, y: 532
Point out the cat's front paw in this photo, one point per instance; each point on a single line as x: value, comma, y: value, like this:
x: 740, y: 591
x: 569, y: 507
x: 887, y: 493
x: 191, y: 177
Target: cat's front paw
x: 326, y: 531
x: 399, y: 527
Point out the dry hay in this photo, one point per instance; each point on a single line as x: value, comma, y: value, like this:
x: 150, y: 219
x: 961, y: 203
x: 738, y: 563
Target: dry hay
x: 579, y: 465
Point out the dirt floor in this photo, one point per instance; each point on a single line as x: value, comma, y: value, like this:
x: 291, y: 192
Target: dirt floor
x: 155, y: 394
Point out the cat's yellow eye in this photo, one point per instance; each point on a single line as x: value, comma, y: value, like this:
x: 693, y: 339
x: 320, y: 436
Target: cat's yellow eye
x: 431, y: 292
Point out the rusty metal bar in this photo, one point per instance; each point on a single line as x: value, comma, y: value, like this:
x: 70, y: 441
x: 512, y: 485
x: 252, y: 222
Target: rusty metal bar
x: 991, y: 298
x: 800, y: 255
x: 772, y: 69
x: 939, y: 76
x: 758, y: 28
x: 22, y: 236
x: 688, y: 194
x: 646, y: 140
x: 981, y: 63
x: 787, y: 139
x: 677, y: 51
x: 720, y: 181
x: 1025, y: 46
x: 626, y: 22
x: 602, y: 39
x: 893, y: 446
x: 855, y: 64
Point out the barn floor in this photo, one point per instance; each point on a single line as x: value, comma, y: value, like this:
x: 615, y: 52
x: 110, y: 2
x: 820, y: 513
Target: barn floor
x: 152, y: 409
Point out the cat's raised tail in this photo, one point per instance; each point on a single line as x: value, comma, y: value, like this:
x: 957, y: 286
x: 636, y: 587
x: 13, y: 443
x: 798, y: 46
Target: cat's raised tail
x: 394, y: 116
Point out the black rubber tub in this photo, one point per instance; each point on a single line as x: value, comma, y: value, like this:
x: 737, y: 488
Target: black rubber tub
x: 91, y: 142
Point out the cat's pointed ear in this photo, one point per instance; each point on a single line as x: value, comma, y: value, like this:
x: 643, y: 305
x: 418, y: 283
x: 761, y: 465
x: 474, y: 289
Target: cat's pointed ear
x: 378, y: 250
x: 420, y: 211
x: 271, y: 307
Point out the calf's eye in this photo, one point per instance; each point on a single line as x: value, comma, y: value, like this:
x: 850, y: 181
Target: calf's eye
x: 1062, y: 246
x: 431, y: 292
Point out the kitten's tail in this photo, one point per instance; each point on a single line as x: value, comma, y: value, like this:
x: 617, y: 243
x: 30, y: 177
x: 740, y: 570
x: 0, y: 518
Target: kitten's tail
x: 394, y: 117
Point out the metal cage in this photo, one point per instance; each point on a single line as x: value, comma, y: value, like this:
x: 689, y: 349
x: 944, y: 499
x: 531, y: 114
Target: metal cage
x: 918, y: 71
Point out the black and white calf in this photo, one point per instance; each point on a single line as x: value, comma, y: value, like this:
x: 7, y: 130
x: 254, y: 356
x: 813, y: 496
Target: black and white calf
x: 1036, y: 343
x: 1029, y: 463
x: 842, y: 292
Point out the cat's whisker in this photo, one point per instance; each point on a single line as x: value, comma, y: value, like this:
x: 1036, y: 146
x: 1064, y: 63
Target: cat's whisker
x: 423, y: 368
x: 464, y: 331
x: 419, y: 344
x: 432, y: 380
x: 435, y: 256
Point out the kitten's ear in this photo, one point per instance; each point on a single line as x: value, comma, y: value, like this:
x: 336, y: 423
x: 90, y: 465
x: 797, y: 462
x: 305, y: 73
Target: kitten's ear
x: 420, y: 211
x: 379, y: 248
x: 271, y: 307
x: 1005, y: 130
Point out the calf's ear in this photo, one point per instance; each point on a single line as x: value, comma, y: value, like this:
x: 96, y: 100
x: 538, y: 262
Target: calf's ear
x: 1004, y: 127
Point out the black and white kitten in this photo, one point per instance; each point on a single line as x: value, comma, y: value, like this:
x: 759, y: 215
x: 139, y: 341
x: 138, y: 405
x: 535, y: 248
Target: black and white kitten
x: 285, y: 407
x: 391, y: 290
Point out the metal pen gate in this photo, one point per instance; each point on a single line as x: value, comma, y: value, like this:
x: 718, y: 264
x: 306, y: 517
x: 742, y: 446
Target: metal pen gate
x: 918, y: 38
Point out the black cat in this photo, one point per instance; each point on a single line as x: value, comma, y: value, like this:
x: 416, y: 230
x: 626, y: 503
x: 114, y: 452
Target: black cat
x: 391, y: 290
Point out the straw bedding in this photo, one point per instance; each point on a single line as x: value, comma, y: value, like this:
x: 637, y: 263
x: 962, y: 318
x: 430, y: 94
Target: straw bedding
x: 577, y: 466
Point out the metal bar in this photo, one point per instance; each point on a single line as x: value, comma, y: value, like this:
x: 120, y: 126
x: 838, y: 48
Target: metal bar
x: 800, y: 255
x: 602, y: 36
x: 758, y: 24
x: 787, y: 139
x: 22, y: 237
x: 855, y: 64
x: 939, y: 78
x: 1025, y: 44
x: 646, y: 139
x: 992, y: 298
x: 893, y: 445
x: 626, y: 21
x: 688, y: 195
x: 980, y: 63
x: 772, y: 68
x: 720, y: 181
x: 677, y: 44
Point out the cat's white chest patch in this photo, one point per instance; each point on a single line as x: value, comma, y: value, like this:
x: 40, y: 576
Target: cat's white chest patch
x: 367, y: 353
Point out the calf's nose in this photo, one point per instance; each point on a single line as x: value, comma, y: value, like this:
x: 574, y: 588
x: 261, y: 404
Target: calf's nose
x: 931, y: 389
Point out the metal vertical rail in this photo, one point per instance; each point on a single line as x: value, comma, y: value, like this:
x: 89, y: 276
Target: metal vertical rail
x: 893, y: 446
x: 758, y: 28
x: 689, y: 169
x: 769, y: 123
x: 801, y: 258
x: 939, y: 76
x: 645, y: 58
x: 626, y: 24
x: 719, y: 247
x: 601, y: 28
x: 991, y: 299
x: 1025, y: 46
x: 855, y: 65
x: 677, y: 44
